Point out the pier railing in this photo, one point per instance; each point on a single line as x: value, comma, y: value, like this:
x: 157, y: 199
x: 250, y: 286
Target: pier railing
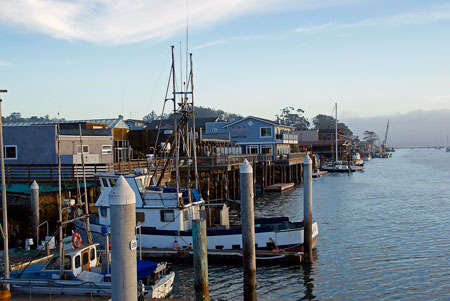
x: 49, y: 172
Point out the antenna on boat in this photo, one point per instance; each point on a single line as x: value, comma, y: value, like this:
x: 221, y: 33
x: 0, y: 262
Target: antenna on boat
x: 4, y: 230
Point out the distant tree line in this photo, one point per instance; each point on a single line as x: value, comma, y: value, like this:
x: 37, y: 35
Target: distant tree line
x: 17, y: 117
x: 200, y: 112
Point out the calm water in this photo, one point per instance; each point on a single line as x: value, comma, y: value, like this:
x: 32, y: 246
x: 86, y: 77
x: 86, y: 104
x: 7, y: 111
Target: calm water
x: 384, y: 233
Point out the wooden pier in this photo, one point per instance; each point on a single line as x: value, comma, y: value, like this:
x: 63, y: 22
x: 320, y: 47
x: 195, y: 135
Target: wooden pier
x: 319, y: 173
x: 279, y: 187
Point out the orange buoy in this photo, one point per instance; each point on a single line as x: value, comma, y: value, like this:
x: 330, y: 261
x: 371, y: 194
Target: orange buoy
x: 76, y: 240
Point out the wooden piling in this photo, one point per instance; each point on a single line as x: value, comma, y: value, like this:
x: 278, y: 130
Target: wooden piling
x: 200, y: 260
x: 248, y: 231
x: 307, y: 210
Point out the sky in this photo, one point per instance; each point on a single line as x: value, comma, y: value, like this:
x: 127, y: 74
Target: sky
x: 91, y: 59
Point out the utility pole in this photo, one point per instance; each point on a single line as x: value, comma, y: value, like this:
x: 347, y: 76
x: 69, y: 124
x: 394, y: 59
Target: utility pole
x: 4, y: 205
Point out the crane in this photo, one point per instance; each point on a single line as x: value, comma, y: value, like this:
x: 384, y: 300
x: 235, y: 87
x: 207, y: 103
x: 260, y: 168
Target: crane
x: 383, y: 145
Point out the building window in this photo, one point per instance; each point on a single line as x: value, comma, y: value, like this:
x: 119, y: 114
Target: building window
x: 85, y: 149
x: 167, y: 215
x: 10, y: 152
x: 107, y: 149
x: 266, y: 132
x: 266, y: 149
x: 252, y: 149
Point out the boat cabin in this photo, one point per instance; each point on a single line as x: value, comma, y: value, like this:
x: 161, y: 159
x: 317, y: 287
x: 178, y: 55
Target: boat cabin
x: 76, y: 262
x: 156, y: 207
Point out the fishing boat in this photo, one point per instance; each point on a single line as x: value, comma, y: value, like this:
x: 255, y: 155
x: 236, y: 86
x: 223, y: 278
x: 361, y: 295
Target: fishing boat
x: 165, y: 218
x: 84, y: 276
x: 165, y: 212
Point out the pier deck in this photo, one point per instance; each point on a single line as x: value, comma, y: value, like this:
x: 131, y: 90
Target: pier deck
x: 279, y: 187
x: 319, y: 173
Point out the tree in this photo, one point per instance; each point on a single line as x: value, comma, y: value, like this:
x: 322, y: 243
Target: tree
x: 325, y: 122
x: 294, y: 117
x: 370, y: 137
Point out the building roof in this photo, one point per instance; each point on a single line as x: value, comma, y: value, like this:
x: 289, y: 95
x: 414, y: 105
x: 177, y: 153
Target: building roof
x: 257, y: 118
x: 168, y: 123
x: 110, y: 122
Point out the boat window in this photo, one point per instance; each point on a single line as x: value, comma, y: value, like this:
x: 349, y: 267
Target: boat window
x: 103, y: 211
x: 185, y: 215
x: 139, y: 184
x: 85, y: 258
x: 140, y: 217
x: 92, y: 254
x: 167, y: 215
x: 104, y: 182
x: 219, y: 247
x: 112, y: 182
x: 236, y: 247
x: 77, y: 261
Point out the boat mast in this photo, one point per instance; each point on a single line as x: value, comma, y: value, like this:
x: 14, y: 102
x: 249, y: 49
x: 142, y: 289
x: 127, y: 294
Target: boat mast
x: 4, y: 230
x: 335, y: 132
x: 86, y: 205
x: 177, y: 149
x: 61, y: 243
x: 194, y: 144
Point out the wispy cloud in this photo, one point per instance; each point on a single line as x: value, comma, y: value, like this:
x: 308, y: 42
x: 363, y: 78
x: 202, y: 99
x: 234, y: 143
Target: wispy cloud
x: 314, y: 28
x: 127, y: 21
x: 232, y: 39
x: 426, y: 16
x: 4, y: 64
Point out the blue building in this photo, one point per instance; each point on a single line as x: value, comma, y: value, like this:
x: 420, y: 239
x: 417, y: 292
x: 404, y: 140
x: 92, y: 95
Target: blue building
x: 257, y: 136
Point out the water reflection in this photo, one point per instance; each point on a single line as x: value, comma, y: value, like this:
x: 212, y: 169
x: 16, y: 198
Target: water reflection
x: 384, y: 229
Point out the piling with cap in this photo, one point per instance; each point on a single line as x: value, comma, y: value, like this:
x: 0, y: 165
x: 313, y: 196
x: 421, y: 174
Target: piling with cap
x: 307, y: 210
x: 200, y: 255
x: 248, y: 230
x: 123, y: 241
x: 34, y: 189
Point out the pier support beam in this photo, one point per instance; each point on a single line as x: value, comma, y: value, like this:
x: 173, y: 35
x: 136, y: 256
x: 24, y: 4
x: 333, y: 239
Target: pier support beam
x: 307, y: 210
x: 34, y: 189
x: 123, y: 241
x: 200, y: 260
x: 248, y: 230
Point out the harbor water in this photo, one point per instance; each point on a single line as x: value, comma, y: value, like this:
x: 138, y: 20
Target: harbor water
x: 384, y: 234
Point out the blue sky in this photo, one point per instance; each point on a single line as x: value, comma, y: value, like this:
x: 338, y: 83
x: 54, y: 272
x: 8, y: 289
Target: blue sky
x: 81, y: 58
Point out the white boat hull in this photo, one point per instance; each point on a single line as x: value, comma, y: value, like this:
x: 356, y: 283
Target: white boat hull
x: 291, y: 239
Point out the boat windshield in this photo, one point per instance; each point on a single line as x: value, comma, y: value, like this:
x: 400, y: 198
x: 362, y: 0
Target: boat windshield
x: 54, y: 263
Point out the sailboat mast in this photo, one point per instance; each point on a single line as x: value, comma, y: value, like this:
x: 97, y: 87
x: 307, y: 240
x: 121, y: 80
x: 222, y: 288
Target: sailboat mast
x: 61, y: 243
x: 86, y: 205
x: 4, y: 203
x: 335, y: 132
x: 177, y: 149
